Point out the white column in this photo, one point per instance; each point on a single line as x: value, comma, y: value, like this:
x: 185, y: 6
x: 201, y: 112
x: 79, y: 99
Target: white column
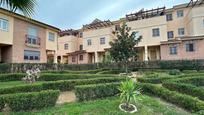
x: 55, y: 57
x: 96, y: 57
x: 146, y: 53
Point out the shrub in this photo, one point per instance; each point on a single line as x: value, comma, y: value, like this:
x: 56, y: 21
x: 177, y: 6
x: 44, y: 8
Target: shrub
x: 4, y: 68
x: 197, y: 81
x: 21, y: 89
x: 174, y: 72
x: 95, y: 91
x: 185, y: 88
x: 11, y: 77
x: 75, y: 72
x: 70, y: 84
x: 111, y: 72
x: 152, y: 75
x: 55, y: 77
x: 31, y: 101
x: 64, y: 85
x: 190, y: 103
x: 162, y: 79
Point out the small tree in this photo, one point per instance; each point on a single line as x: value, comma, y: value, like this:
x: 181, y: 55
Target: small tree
x: 123, y: 48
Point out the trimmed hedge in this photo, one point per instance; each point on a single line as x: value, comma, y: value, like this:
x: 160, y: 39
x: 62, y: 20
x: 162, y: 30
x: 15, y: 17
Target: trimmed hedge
x: 70, y: 84
x: 75, y: 72
x: 56, y: 77
x: 64, y: 85
x: 158, y: 80
x: 185, y: 101
x: 197, y: 81
x: 185, y: 88
x: 30, y: 101
x: 11, y: 77
x: 95, y: 91
x: 111, y: 72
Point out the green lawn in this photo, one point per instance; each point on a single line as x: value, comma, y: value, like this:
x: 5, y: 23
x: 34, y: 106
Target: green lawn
x: 146, y: 105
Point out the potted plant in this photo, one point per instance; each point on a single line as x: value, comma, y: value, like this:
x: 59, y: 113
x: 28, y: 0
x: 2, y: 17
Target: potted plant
x: 128, y: 93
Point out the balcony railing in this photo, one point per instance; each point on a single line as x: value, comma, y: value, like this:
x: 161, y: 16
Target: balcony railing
x: 32, y: 40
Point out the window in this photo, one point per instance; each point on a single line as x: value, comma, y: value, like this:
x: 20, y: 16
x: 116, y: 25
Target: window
x: 4, y: 24
x: 137, y: 35
x: 31, y: 55
x: 102, y: 41
x: 180, y: 13
x: 89, y: 42
x: 73, y: 59
x: 155, y: 32
x: 117, y: 27
x: 169, y: 17
x: 81, y: 47
x: 81, y: 57
x: 173, y: 50
x: 51, y: 36
x: 181, y: 31
x: 66, y: 46
x: 170, y: 34
x: 32, y: 35
x: 203, y: 23
x: 190, y: 47
x: 80, y: 34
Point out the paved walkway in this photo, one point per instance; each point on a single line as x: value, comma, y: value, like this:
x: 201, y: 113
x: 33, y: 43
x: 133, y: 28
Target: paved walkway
x: 66, y: 97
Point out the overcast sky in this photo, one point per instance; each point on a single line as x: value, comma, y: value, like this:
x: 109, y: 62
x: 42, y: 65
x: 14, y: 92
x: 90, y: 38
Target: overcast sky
x: 66, y: 14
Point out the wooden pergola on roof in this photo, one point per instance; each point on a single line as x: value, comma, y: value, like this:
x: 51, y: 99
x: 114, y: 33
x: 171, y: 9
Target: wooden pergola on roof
x: 195, y: 2
x: 68, y: 32
x: 98, y: 24
x: 145, y: 14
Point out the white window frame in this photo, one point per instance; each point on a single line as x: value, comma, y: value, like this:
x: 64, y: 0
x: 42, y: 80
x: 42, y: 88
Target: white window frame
x: 173, y: 50
x: 179, y: 12
x: 51, y: 36
x: 169, y: 34
x: 2, y: 21
x: 30, y: 53
x: 89, y: 42
x: 169, y: 19
x: 180, y: 32
x: 66, y: 46
x: 188, y: 48
x: 102, y: 40
x: 137, y: 35
x: 155, y: 34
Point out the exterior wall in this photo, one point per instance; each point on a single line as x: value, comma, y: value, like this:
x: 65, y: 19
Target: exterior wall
x: 51, y: 45
x: 145, y: 26
x: 19, y: 42
x: 7, y: 36
x: 72, y: 42
x: 95, y: 36
x: 78, y: 61
x: 181, y: 51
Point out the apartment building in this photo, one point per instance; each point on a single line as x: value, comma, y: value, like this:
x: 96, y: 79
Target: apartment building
x: 167, y: 34
x: 24, y: 40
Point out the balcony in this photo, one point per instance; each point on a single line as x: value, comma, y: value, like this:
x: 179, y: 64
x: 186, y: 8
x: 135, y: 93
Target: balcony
x: 32, y: 41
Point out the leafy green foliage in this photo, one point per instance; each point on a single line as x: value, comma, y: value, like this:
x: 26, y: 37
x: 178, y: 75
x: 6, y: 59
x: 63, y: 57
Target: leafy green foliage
x: 185, y: 101
x: 174, y: 72
x: 185, y: 88
x: 128, y: 91
x: 123, y: 48
x: 95, y: 91
x: 64, y: 85
x: 27, y: 7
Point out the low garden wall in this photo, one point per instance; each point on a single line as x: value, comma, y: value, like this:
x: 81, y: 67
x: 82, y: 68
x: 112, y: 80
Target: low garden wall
x: 173, y: 64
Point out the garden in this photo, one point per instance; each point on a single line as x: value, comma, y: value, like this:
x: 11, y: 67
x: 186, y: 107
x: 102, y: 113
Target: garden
x: 102, y: 91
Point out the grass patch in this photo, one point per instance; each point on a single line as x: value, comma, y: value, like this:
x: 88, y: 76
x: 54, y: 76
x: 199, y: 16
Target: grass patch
x: 146, y: 106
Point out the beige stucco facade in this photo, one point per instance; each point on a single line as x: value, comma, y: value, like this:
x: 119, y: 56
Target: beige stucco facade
x: 18, y: 44
x: 150, y: 47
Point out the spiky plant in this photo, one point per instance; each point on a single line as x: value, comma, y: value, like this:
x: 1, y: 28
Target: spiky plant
x: 128, y: 91
x: 27, y: 7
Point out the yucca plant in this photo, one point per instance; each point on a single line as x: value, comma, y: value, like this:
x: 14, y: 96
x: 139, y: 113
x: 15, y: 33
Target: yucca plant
x: 27, y: 7
x: 129, y: 91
